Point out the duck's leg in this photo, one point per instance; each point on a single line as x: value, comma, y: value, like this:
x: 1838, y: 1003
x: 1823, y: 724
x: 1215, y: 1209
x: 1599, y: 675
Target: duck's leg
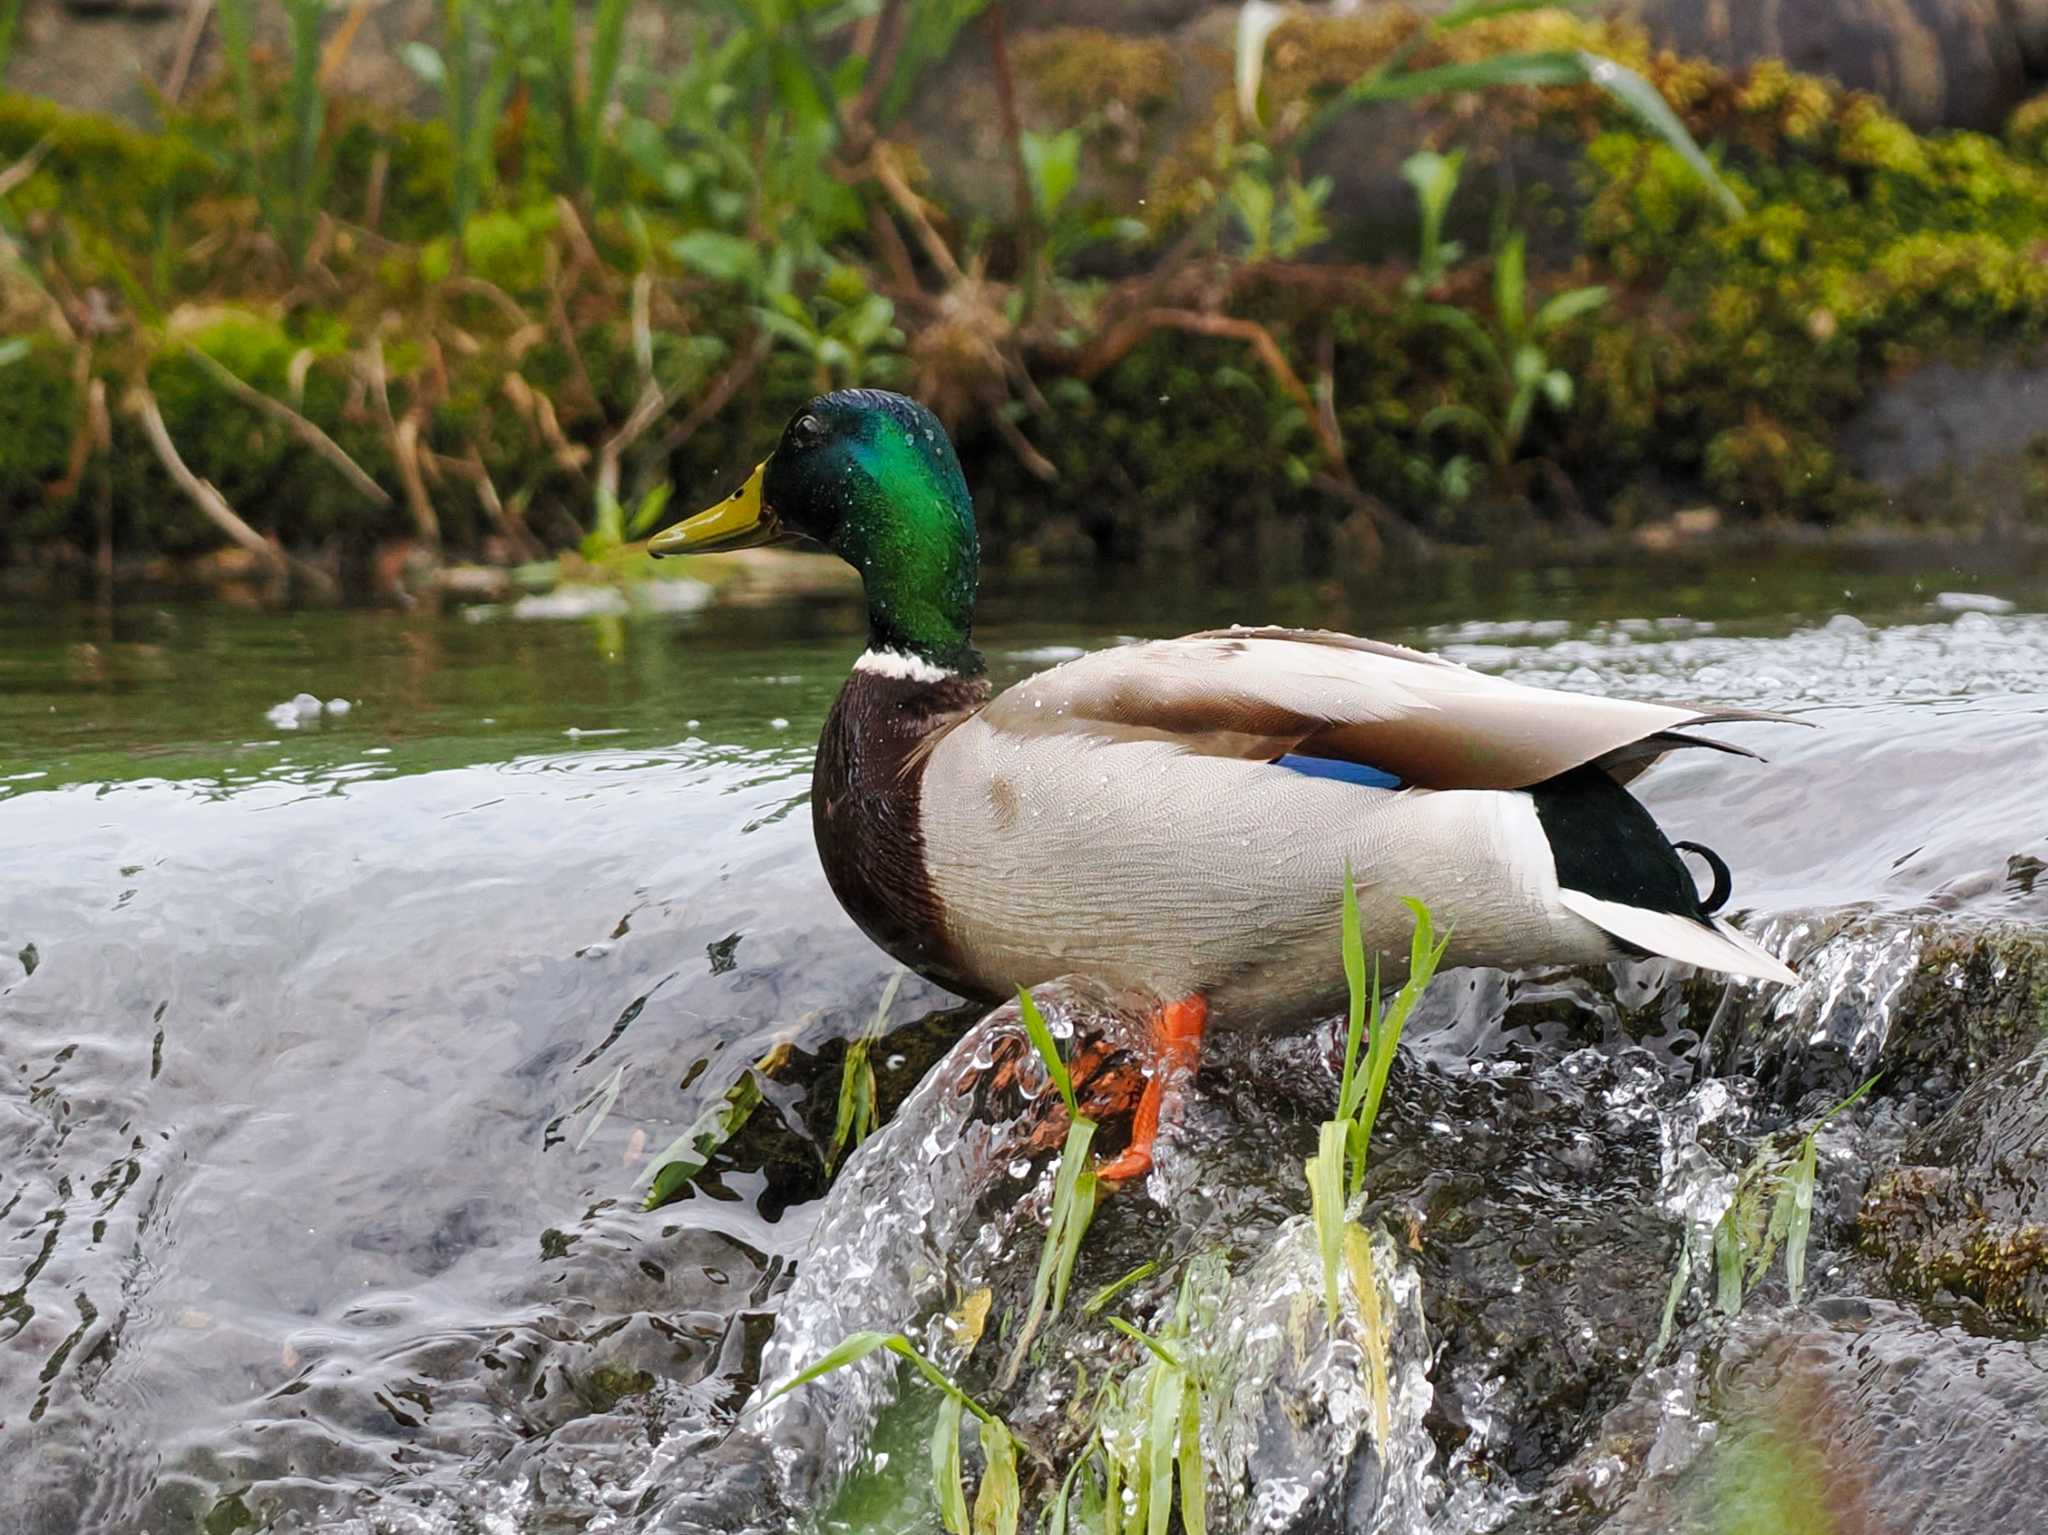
x: 1176, y: 1045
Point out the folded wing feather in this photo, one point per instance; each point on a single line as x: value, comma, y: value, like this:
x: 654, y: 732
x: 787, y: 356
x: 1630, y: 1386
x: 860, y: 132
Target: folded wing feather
x: 1260, y: 693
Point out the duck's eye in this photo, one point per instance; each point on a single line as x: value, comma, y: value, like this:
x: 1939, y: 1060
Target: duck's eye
x: 807, y: 431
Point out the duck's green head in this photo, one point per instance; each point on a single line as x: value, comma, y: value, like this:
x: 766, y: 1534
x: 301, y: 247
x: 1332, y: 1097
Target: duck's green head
x: 872, y: 476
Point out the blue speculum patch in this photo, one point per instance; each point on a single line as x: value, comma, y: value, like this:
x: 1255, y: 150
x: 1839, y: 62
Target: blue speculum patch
x: 1363, y: 774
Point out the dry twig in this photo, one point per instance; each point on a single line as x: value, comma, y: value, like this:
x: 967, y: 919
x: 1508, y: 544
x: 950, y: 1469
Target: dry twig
x: 306, y: 431
x: 211, y: 503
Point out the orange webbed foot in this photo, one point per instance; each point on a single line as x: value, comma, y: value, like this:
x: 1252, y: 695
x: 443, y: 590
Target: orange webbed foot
x: 1175, y: 1048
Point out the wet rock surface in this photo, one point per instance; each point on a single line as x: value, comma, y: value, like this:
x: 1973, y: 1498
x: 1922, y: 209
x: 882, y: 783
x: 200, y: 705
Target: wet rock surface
x: 1964, y: 1216
x: 1852, y: 1414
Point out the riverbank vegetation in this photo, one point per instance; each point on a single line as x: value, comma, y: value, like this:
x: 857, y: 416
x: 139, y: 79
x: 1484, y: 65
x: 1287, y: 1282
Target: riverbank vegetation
x: 599, y: 274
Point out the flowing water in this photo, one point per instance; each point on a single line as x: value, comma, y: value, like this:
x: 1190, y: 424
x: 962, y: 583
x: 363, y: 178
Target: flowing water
x: 338, y: 1045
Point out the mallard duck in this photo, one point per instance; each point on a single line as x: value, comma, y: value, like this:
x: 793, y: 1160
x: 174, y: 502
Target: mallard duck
x: 1178, y: 816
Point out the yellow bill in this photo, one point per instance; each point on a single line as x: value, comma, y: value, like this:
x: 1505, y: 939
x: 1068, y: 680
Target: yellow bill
x: 740, y: 521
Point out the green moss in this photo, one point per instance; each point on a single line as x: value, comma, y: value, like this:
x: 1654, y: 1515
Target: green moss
x: 1075, y: 73
x: 39, y: 410
x: 510, y: 248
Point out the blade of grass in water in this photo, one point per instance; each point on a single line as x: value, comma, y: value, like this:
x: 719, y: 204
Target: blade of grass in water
x: 1337, y: 1170
x: 1194, y: 1484
x: 686, y: 1156
x: 1048, y: 1049
x: 1116, y: 1287
x: 1073, y: 1205
x: 998, y: 1502
x: 946, y: 1478
x: 1073, y: 1198
x: 856, y: 1116
x: 1325, y: 1172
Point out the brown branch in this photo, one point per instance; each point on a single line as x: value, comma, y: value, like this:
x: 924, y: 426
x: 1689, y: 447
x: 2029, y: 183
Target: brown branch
x: 883, y: 164
x: 895, y: 254
x: 578, y: 373
x: 211, y: 503
x: 405, y: 451
x: 196, y: 18
x: 83, y: 436
x: 727, y: 384
x: 340, y: 40
x: 301, y: 428
x: 1013, y: 141
x: 642, y: 312
x: 1117, y: 344
x: 538, y: 411
x: 891, y: 28
x: 1036, y: 462
x: 465, y: 284
x: 472, y: 468
x: 25, y: 167
x: 578, y: 235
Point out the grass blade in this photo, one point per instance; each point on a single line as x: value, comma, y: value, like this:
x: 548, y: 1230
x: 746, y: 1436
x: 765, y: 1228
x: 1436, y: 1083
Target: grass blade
x: 849, y: 1350
x: 1559, y: 68
x: 1799, y: 1183
x: 601, y: 1110
x: 1326, y: 1204
x: 1158, y: 1350
x: 1648, y: 104
x: 1728, y: 1264
x: 1167, y: 1388
x: 1194, y: 1482
x: 1365, y: 1290
x: 946, y: 1480
x: 1116, y: 1287
x: 1064, y: 1229
x: 998, y: 1503
x: 1674, y: 1295
x: 1048, y: 1049
x: 1354, y: 976
x: 689, y: 1153
x: 1079, y: 1214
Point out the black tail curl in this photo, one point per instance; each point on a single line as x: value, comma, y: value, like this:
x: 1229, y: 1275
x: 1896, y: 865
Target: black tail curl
x: 1724, y: 883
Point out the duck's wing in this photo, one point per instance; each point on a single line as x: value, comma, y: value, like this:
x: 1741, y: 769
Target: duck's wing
x: 1267, y: 693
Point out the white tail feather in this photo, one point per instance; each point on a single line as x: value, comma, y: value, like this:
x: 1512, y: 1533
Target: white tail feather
x: 1719, y: 947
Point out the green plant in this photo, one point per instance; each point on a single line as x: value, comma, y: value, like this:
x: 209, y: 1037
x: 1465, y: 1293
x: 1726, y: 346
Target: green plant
x: 1393, y: 80
x: 1162, y: 1401
x: 857, y: 1116
x: 1435, y: 179
x: 1278, y: 213
x: 1073, y: 1198
x: 1336, y: 1173
x: 1052, y: 164
x: 848, y: 333
x: 1519, y: 370
x: 1745, y: 1241
x: 688, y: 1154
x: 289, y: 191
x: 473, y: 86
x: 998, y: 1506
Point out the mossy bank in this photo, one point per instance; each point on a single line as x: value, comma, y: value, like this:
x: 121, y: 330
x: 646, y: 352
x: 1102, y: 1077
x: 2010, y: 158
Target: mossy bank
x: 1185, y: 330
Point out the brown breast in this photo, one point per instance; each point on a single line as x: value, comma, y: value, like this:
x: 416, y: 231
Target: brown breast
x: 866, y: 800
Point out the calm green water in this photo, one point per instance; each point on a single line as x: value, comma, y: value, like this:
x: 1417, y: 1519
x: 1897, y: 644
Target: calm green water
x: 332, y: 1054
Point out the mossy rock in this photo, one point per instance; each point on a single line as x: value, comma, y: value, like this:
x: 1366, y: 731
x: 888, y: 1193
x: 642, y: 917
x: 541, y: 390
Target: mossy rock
x: 1965, y: 1213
